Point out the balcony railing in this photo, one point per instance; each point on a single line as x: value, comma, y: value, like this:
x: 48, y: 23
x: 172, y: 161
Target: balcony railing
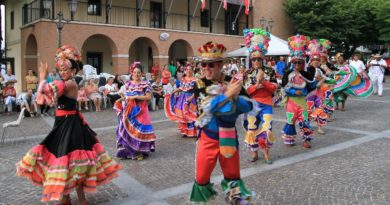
x: 123, y: 16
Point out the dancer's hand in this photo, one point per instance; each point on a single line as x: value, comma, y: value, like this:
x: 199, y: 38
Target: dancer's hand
x: 234, y: 89
x: 43, y: 70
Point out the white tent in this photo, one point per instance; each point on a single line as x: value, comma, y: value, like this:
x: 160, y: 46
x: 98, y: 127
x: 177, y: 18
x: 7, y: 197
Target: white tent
x: 363, y: 49
x: 277, y: 47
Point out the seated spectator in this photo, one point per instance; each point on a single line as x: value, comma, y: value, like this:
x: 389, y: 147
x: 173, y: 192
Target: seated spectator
x: 157, y: 90
x: 9, y: 77
x: 9, y: 95
x: 31, y: 80
x: 155, y: 70
x: 53, y: 75
x: 170, y: 87
x: 93, y: 94
x: 153, y: 79
x: 111, y: 90
x: 27, y: 100
x: 82, y: 98
x: 118, y: 81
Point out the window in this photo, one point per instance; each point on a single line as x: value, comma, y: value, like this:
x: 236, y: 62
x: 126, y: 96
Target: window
x: 12, y: 20
x: 94, y: 7
x: 155, y: 14
x: 204, y: 18
x: 95, y: 59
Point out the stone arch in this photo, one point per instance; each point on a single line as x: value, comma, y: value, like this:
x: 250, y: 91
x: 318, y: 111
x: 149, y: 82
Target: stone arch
x: 143, y: 49
x: 31, y: 54
x: 180, y: 50
x: 98, y: 51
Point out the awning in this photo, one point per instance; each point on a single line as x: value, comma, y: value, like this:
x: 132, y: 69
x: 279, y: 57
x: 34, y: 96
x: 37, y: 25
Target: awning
x: 236, y: 2
x: 277, y: 47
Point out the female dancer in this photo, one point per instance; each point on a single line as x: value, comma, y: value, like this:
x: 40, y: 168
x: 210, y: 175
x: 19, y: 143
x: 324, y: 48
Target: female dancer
x: 135, y: 136
x: 183, y: 108
x: 260, y: 86
x: 71, y: 155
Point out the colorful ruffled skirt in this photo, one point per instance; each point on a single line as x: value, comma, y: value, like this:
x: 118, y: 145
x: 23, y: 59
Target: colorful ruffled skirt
x: 69, y: 157
x: 135, y: 135
x: 184, y: 113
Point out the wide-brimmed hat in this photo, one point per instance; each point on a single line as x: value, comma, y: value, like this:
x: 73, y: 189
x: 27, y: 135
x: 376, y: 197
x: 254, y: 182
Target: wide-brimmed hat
x: 377, y: 56
x: 211, y: 52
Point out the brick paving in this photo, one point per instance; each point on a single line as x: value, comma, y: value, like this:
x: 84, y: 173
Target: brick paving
x: 356, y: 175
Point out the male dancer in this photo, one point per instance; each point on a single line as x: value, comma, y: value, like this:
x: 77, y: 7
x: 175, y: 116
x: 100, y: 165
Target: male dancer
x: 217, y: 140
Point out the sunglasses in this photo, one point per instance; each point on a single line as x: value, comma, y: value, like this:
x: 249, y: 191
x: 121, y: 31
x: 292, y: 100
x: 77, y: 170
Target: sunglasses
x: 298, y: 62
x: 257, y: 59
x: 210, y: 65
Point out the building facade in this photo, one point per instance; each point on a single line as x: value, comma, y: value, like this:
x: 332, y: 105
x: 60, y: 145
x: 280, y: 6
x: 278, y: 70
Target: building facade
x: 111, y: 34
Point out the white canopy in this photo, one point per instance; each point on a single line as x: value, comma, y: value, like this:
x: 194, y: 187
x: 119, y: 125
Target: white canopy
x: 363, y: 49
x: 277, y: 47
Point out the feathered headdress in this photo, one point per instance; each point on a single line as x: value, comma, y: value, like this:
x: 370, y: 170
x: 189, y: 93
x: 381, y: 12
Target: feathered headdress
x: 298, y: 46
x: 325, y: 46
x: 65, y: 55
x: 211, y: 52
x: 314, y: 49
x: 257, y: 41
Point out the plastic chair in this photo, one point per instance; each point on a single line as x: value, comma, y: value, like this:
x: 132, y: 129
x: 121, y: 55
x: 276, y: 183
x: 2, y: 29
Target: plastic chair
x: 12, y: 124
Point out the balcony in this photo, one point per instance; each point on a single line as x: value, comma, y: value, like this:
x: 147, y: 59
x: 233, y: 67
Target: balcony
x: 127, y: 16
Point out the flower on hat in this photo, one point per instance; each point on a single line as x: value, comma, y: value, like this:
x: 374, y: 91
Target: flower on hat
x: 298, y: 46
x: 257, y: 40
x: 66, y: 53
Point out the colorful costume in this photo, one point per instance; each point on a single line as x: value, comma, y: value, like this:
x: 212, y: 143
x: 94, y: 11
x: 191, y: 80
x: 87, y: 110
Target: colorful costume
x: 179, y: 109
x: 319, y: 101
x: 217, y: 138
x: 135, y: 136
x: 296, y: 86
x: 259, y: 127
x: 71, y: 155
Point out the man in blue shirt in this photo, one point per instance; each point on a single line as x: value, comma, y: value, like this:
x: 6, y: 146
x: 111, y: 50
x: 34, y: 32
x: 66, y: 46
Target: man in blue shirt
x: 280, y: 67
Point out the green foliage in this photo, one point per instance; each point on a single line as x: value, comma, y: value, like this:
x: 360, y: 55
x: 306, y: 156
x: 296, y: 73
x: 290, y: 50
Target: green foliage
x: 382, y: 12
x: 344, y: 22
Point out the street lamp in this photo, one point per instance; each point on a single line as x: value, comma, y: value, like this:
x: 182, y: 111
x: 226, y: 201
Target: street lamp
x: 60, y: 24
x: 262, y: 22
x: 271, y: 24
x: 73, y: 8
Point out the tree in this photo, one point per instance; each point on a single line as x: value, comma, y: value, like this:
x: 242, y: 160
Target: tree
x: 382, y: 13
x: 346, y: 23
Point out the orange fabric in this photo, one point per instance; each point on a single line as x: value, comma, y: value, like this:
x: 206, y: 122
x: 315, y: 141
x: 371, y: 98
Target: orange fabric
x: 262, y: 95
x: 207, y: 154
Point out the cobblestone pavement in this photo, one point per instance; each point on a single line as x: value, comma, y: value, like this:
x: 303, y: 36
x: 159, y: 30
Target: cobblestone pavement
x: 348, y: 165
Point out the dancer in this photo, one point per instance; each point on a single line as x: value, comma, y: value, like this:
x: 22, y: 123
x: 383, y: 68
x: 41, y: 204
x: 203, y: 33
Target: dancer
x: 297, y: 84
x: 135, y: 136
x: 71, y: 155
x: 182, y: 107
x: 217, y: 141
x: 318, y: 100
x: 261, y: 85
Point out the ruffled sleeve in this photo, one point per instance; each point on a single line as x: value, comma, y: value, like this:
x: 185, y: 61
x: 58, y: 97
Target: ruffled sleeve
x: 50, y: 92
x: 147, y: 88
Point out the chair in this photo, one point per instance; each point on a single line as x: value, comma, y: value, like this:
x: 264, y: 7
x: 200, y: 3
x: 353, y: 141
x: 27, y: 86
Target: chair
x: 12, y: 124
x: 102, y: 81
x: 105, y: 98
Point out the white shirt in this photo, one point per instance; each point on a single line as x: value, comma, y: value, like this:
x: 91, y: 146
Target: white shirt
x: 358, y: 65
x: 111, y: 89
x: 376, y: 69
x: 8, y: 78
x: 168, y: 88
